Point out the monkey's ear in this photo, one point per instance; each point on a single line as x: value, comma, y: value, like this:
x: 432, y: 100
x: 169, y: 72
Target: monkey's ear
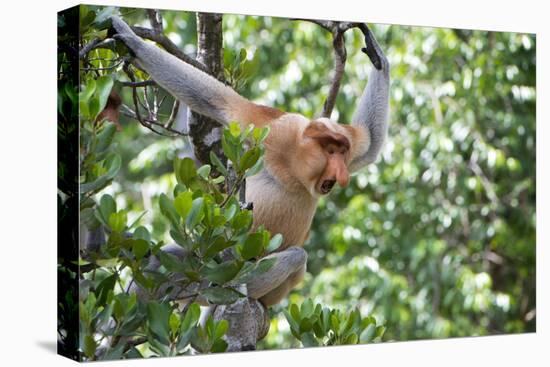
x: 320, y: 132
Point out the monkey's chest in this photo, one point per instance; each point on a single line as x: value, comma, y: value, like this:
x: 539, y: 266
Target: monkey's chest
x: 280, y: 211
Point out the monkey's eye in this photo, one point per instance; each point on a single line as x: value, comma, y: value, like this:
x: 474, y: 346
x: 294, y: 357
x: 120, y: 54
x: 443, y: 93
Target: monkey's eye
x: 331, y: 150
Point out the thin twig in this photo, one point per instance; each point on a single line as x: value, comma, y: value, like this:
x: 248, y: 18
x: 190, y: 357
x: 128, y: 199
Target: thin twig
x: 144, y: 83
x: 88, y: 47
x: 156, y: 20
x: 340, y: 56
x: 134, y: 342
x: 118, y: 63
x: 168, y: 45
x: 337, y: 29
x: 148, y: 123
x: 96, y: 43
x: 173, y: 114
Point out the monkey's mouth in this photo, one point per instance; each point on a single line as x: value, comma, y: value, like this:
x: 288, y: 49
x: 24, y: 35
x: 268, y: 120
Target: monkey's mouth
x: 326, y: 186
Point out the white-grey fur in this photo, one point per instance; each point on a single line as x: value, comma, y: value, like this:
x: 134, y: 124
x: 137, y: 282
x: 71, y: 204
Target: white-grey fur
x: 200, y: 91
x: 372, y: 110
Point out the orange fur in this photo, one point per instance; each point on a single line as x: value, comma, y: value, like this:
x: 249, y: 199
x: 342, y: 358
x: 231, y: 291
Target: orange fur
x: 301, y: 155
x: 297, y: 160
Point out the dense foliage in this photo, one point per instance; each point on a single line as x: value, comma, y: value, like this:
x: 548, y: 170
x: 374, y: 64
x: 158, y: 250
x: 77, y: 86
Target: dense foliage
x: 436, y: 239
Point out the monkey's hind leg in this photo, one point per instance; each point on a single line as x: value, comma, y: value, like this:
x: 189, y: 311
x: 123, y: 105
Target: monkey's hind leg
x: 274, y: 285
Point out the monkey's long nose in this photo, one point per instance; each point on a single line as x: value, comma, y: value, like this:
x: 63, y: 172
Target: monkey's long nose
x: 342, y: 175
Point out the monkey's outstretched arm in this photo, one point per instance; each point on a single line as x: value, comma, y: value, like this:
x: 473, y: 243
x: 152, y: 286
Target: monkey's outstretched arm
x: 200, y: 91
x: 372, y: 111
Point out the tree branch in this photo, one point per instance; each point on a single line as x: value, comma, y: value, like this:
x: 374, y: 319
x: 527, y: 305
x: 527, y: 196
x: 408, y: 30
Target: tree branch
x: 168, y: 45
x: 337, y: 29
x: 144, y: 83
x: 205, y: 133
x: 88, y: 47
x: 151, y: 124
x: 340, y: 56
x: 156, y: 20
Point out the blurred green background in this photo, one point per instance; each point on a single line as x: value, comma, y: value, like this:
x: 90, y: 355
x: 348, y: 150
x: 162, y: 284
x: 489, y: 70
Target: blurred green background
x: 437, y: 239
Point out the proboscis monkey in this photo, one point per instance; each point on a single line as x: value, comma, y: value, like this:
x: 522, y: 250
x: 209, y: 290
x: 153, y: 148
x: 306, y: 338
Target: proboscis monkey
x: 304, y: 158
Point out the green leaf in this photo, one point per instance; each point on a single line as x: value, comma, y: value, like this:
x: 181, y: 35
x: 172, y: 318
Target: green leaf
x: 334, y: 322
x: 108, y: 263
x: 168, y: 210
x: 196, y: 214
x: 219, y: 244
x: 103, y: 18
x: 105, y: 315
x: 219, y: 346
x: 242, y: 55
x: 235, y: 129
x: 351, y: 339
x: 222, y: 273
x: 142, y: 233
x: 305, y: 325
x: 105, y: 137
x: 188, y: 325
x: 256, y: 168
x: 179, y: 238
x: 221, y: 329
x: 249, y: 159
x: 86, y: 18
x: 114, y: 353
x: 230, y: 147
x: 171, y: 262
x: 251, y: 67
x: 293, y: 323
x: 158, y: 315
x: 218, y: 164
x: 191, y: 318
x: 264, y: 134
x: 113, y: 164
x: 252, y: 247
x: 90, y: 346
x: 174, y: 323
x: 368, y: 334
x: 242, y: 221
x: 221, y: 296
x: 105, y: 286
x: 87, y: 92
x: 352, y: 317
x: 107, y: 206
x: 318, y: 329
x: 275, y: 242
x: 380, y: 330
x: 308, y: 340
x: 251, y: 270
x: 185, y: 170
x: 183, y: 203
x: 306, y: 309
x: 70, y: 91
x: 118, y: 221
x: 93, y: 107
x: 295, y: 313
x: 230, y: 211
x: 140, y: 248
x: 204, y: 171
x: 103, y: 89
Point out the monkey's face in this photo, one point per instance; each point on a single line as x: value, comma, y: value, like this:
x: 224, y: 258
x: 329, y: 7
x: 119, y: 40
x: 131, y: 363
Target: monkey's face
x: 325, y: 153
